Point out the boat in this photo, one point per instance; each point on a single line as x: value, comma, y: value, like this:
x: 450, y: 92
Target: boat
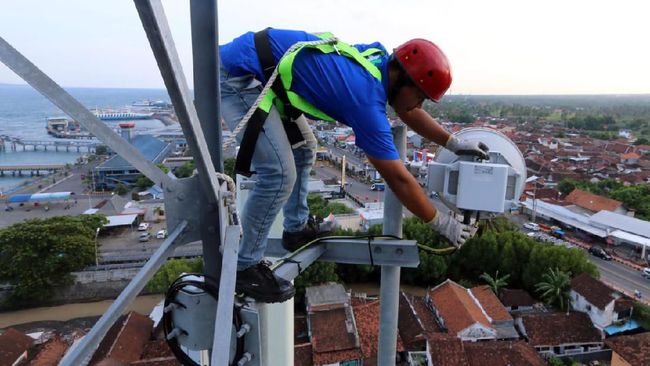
x: 62, y: 127
x: 107, y: 115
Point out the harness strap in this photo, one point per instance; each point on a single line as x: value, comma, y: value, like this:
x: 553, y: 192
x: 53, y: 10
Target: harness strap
x: 256, y: 122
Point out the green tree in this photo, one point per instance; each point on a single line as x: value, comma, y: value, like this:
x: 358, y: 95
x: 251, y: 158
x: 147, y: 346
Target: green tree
x: 641, y: 313
x: 554, y: 288
x: 642, y: 141
x: 101, y: 150
x: 185, y: 170
x: 142, y: 182
x: 496, y: 283
x: 171, y: 270
x: 121, y: 189
x: 229, y: 167
x: 37, y: 255
x: 320, y: 207
x: 566, y: 186
x: 318, y: 273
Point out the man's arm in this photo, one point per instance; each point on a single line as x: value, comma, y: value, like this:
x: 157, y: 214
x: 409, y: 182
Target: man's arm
x: 425, y: 126
x: 405, y: 187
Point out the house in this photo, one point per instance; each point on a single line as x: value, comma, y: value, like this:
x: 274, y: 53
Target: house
x: 331, y: 326
x: 50, y: 353
x: 599, y: 301
x: 558, y: 334
x: 470, y: 315
x: 410, y: 327
x: 593, y: 202
x: 13, y: 347
x: 517, y: 300
x: 445, y: 350
x: 630, y: 158
x: 116, y: 170
x: 630, y: 350
x: 367, y: 316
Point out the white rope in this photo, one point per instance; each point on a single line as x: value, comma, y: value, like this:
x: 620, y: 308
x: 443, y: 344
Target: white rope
x: 244, y: 122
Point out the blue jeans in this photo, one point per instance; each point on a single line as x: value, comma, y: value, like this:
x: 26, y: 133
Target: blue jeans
x: 282, y: 172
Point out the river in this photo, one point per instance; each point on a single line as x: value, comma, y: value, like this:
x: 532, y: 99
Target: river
x: 142, y: 304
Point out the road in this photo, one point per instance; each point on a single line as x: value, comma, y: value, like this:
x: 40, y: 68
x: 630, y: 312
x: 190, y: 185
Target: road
x: 622, y: 277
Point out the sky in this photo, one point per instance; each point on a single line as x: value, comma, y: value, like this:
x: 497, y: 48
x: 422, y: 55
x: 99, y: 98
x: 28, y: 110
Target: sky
x: 494, y: 47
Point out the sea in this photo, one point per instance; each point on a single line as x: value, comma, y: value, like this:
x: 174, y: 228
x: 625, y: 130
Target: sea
x: 23, y: 114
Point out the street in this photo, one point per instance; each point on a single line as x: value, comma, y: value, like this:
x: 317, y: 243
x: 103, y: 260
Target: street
x: 622, y: 277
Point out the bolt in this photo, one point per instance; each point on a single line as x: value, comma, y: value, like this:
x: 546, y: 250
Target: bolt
x: 245, y: 328
x: 180, y: 196
x: 246, y: 357
x: 399, y: 251
x: 377, y: 250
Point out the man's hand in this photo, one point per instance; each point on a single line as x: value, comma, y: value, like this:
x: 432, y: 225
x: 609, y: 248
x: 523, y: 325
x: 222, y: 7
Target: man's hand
x: 452, y: 229
x: 465, y: 147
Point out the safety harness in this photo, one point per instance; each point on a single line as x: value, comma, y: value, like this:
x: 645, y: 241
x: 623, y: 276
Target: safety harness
x: 289, y: 104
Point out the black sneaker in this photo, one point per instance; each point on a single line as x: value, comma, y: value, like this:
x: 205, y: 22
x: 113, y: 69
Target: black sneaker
x: 313, y: 229
x: 260, y: 283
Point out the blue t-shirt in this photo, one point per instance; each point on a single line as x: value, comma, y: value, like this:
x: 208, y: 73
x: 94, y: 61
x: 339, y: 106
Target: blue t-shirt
x: 337, y: 85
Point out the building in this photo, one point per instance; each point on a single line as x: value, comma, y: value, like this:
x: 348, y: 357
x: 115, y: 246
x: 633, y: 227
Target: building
x: 117, y: 170
x: 630, y: 350
x: 517, y: 300
x: 623, y: 229
x: 603, y: 304
x: 332, y: 327
x: 560, y: 334
x: 593, y: 202
x: 13, y: 347
x: 470, y: 315
x: 444, y: 350
x: 50, y: 353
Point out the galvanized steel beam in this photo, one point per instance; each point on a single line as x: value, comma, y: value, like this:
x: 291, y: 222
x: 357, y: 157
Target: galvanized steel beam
x: 389, y: 290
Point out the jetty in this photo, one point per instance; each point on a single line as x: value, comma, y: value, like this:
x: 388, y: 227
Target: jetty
x: 8, y: 143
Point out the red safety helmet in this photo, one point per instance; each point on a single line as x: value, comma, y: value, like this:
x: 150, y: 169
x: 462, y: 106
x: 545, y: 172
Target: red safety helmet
x: 427, y: 66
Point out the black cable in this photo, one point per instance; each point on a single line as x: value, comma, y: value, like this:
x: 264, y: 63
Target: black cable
x: 208, y: 285
x: 372, y: 259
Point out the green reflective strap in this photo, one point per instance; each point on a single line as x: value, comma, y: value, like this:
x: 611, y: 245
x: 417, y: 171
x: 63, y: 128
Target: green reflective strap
x: 267, y: 101
x: 300, y: 103
x: 371, y: 51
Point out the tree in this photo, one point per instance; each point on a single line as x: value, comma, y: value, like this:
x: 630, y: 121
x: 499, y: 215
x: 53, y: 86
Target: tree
x: 185, y: 170
x: 121, y: 189
x: 229, y: 167
x: 566, y: 186
x: 554, y: 289
x: 642, y: 141
x: 101, y: 150
x: 37, y: 255
x: 496, y: 283
x: 143, y: 182
x: 171, y: 270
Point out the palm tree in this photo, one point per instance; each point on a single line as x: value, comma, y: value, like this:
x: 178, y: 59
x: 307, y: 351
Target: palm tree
x: 554, y: 289
x: 496, y: 283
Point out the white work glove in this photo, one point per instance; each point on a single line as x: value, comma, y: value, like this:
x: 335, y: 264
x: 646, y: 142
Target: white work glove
x: 452, y: 229
x: 465, y: 147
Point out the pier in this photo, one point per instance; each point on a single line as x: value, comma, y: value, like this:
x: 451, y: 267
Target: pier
x: 33, y: 169
x: 8, y: 143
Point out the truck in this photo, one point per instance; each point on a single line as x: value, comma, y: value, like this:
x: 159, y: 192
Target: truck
x: 557, y: 232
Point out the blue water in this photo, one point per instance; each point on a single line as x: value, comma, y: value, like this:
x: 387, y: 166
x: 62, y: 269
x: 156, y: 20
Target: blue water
x: 23, y: 112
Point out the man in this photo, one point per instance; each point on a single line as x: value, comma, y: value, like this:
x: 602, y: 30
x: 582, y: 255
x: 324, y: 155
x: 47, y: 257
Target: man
x: 329, y: 81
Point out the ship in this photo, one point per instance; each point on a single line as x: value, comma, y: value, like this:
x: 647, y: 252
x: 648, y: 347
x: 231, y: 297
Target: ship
x: 62, y: 127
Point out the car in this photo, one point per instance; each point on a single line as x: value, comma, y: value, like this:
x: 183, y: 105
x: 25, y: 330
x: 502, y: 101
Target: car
x: 143, y: 226
x: 144, y: 236
x: 161, y: 234
x: 600, y: 253
x: 378, y: 187
x: 531, y: 226
x: 646, y: 273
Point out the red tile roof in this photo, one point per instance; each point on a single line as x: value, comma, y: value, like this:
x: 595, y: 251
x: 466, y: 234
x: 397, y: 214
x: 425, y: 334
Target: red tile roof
x: 592, y: 202
x: 156, y: 349
x: 425, y: 315
x: 162, y: 361
x: 516, y: 297
x: 329, y: 331
x: 302, y: 355
x: 559, y: 328
x: 491, y: 304
x: 51, y: 353
x: 367, y: 317
x: 630, y: 155
x: 446, y: 350
x: 13, y: 344
x: 595, y: 292
x: 324, y: 358
x: 635, y: 349
x: 409, y: 327
x: 456, y: 307
x: 130, y: 341
x: 502, y: 353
